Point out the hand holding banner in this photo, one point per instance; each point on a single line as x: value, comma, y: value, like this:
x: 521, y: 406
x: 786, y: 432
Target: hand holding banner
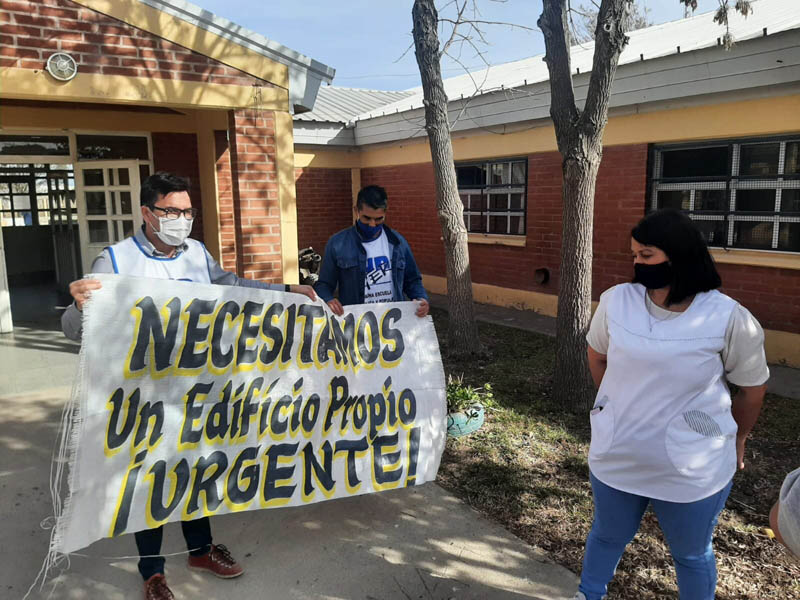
x: 195, y: 400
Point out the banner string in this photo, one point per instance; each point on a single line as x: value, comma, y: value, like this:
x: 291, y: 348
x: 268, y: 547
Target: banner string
x: 49, y: 523
x: 136, y: 556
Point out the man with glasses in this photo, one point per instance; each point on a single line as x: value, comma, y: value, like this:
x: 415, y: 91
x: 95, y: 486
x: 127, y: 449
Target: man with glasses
x: 162, y: 249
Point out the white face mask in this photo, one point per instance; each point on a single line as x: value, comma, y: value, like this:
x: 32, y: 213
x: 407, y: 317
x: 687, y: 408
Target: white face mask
x: 174, y: 232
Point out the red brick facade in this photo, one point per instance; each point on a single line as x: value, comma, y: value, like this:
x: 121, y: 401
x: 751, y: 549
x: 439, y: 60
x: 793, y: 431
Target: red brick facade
x: 177, y: 153
x: 255, y: 194
x: 619, y: 204
x: 249, y: 208
x: 772, y: 295
x: 227, y: 222
x: 31, y: 30
x: 324, y: 205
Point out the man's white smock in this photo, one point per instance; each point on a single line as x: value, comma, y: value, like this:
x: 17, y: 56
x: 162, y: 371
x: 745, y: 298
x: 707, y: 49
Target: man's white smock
x: 137, y: 257
x: 131, y: 257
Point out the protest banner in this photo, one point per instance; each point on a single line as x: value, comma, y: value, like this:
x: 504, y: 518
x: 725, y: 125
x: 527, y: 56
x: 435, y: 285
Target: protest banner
x: 195, y: 400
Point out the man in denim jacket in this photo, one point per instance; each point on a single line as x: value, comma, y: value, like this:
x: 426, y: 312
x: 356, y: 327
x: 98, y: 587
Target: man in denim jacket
x: 369, y: 262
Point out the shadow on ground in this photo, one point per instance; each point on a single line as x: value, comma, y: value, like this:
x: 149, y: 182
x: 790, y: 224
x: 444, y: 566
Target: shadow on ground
x: 420, y: 543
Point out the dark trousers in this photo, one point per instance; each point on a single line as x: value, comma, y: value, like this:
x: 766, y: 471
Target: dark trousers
x: 197, y: 534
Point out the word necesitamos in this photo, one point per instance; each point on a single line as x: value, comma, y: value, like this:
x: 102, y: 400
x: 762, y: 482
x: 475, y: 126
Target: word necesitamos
x: 226, y: 337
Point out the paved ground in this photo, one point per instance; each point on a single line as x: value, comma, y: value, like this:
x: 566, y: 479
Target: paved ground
x: 784, y: 381
x: 421, y: 543
x: 412, y: 544
x: 36, y: 358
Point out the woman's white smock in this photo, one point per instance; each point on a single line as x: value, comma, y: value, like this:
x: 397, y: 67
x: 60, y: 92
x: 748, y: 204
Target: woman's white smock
x: 662, y: 424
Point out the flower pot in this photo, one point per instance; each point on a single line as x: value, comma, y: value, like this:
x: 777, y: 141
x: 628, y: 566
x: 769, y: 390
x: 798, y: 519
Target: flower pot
x: 465, y: 421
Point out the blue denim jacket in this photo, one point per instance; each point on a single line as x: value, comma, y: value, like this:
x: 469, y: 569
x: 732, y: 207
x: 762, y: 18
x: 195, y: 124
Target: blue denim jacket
x: 345, y: 266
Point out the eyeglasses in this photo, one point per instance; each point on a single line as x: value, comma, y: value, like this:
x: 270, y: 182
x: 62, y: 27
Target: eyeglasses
x: 173, y: 213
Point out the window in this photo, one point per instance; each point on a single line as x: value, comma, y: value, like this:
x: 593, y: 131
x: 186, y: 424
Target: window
x: 741, y: 194
x: 33, y: 195
x: 494, y: 194
x: 34, y: 145
x: 107, y: 147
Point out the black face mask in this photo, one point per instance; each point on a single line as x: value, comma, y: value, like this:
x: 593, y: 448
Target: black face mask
x: 653, y: 277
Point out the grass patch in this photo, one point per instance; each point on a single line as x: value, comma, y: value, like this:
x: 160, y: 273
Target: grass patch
x: 527, y: 469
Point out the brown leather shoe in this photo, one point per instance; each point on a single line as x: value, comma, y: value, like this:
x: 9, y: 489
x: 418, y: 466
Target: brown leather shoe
x: 156, y: 588
x: 217, y: 561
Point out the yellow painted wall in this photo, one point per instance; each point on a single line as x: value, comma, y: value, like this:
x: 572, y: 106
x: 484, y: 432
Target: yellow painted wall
x: 29, y: 84
x: 326, y: 158
x: 287, y: 198
x: 104, y: 119
x: 781, y: 347
x: 765, y: 116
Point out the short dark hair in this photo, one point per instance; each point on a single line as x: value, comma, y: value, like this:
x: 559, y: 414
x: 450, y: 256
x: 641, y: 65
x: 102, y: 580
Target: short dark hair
x: 161, y: 184
x: 374, y: 196
x: 692, y: 266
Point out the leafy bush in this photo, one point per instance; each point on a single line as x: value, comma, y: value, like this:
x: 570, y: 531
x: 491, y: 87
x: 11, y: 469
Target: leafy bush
x: 461, y: 396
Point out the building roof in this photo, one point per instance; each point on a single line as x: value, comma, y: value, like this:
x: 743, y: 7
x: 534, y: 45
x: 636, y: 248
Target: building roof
x: 342, y: 104
x: 686, y: 35
x: 305, y: 73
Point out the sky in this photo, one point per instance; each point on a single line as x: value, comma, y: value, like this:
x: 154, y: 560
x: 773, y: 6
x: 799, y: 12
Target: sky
x: 365, y: 40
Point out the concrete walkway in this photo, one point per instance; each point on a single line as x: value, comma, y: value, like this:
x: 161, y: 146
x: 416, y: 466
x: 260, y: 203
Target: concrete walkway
x: 783, y: 381
x: 419, y: 543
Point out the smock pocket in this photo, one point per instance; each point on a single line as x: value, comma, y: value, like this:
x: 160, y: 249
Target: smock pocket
x: 601, y: 418
x: 696, y: 444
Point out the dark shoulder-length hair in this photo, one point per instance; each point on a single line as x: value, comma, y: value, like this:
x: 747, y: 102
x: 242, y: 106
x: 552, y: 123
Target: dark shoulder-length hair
x: 692, y: 266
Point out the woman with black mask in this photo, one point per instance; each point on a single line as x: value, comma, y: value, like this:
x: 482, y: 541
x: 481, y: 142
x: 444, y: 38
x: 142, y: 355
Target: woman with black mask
x: 665, y: 430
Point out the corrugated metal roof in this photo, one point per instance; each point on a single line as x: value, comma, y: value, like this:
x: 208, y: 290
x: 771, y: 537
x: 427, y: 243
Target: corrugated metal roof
x: 341, y: 104
x: 658, y: 41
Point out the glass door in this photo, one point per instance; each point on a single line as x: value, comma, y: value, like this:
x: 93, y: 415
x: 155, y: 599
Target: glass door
x: 59, y: 208
x: 6, y: 325
x: 108, y: 205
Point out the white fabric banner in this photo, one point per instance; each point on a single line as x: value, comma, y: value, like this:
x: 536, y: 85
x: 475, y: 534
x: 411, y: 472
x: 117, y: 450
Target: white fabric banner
x: 195, y: 400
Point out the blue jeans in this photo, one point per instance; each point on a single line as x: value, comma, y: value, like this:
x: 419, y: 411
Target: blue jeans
x: 688, y: 528
x: 197, y: 534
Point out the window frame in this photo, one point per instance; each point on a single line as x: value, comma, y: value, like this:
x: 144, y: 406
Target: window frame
x: 732, y: 183
x: 487, y: 189
x: 34, y: 173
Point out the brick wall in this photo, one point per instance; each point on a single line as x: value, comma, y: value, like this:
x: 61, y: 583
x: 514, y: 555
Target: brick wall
x: 176, y: 153
x: 773, y: 295
x: 227, y: 220
x: 619, y: 205
x: 412, y: 210
x: 255, y: 194
x: 324, y: 205
x: 31, y: 30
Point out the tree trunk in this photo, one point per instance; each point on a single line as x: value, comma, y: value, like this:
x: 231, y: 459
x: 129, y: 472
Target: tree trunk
x: 572, y: 384
x: 463, y: 331
x: 580, y: 141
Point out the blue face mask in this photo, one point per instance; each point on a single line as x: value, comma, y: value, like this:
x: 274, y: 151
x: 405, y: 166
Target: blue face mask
x: 368, y: 232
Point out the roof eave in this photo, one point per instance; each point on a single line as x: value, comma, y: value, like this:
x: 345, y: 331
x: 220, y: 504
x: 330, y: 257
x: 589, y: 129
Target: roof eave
x: 305, y: 74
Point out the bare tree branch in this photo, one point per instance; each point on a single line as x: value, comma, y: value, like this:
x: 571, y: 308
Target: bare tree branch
x: 553, y: 24
x: 406, y: 51
x: 482, y: 22
x: 478, y: 90
x: 456, y: 23
x: 609, y: 44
